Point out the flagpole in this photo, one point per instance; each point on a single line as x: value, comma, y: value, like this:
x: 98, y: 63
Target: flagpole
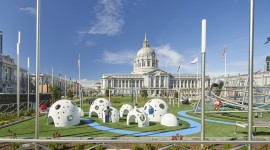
x: 28, y: 80
x: 65, y: 86
x: 37, y: 70
x: 179, y: 86
x: 52, y: 76
x: 225, y: 57
x: 18, y: 74
x: 197, y: 79
x: 250, y: 69
x: 79, y: 65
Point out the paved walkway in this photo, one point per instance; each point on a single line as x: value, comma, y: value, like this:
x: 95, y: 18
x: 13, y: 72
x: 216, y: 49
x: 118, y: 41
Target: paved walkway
x: 195, y: 127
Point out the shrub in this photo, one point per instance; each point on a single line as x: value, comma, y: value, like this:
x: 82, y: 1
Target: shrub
x: 78, y: 147
x: 135, y: 147
x: 100, y: 147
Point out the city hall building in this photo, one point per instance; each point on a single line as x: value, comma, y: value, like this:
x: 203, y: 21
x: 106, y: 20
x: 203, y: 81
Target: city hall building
x: 146, y: 75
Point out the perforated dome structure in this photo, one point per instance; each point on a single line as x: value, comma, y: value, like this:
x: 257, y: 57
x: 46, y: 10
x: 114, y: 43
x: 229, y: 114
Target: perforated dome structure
x: 156, y: 108
x: 97, y: 107
x: 169, y: 120
x: 114, y: 117
x: 138, y: 116
x: 64, y: 113
x: 125, y: 109
x: 145, y: 60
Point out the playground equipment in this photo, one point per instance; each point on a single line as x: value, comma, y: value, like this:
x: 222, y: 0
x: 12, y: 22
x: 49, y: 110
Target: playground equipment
x: 125, y: 109
x: 169, y: 120
x: 138, y: 115
x: 64, y: 113
x: 114, y: 115
x: 234, y: 97
x: 97, y: 107
x: 155, y: 109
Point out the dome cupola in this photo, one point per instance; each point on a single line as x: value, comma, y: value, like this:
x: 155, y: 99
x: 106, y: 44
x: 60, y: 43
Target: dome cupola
x: 145, y: 60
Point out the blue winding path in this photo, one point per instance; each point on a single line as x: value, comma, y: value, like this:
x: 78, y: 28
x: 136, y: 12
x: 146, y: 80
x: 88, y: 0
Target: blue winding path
x: 184, y: 114
x: 195, y: 127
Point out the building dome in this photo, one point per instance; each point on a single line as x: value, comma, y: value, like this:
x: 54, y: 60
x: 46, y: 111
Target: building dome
x: 145, y: 60
x: 146, y: 52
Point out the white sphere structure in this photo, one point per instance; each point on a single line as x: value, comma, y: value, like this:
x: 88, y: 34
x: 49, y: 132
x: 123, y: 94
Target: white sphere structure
x: 169, y: 120
x: 114, y: 117
x: 97, y: 107
x: 138, y: 116
x: 156, y: 108
x: 125, y: 109
x: 64, y: 113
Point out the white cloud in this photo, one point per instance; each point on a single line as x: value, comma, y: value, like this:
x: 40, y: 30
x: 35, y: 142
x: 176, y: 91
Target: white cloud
x: 88, y: 83
x: 109, y: 18
x: 29, y: 10
x: 123, y: 57
x: 168, y: 56
x: 90, y: 43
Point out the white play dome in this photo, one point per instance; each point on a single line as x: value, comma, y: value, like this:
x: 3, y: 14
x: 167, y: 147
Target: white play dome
x: 97, y: 107
x: 125, y: 109
x: 138, y: 116
x: 64, y: 113
x: 114, y: 115
x: 169, y: 120
x: 156, y: 108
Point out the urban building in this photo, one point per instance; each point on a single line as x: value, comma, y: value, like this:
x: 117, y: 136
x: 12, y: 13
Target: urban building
x: 146, y: 75
x: 267, y: 65
x: 8, y: 76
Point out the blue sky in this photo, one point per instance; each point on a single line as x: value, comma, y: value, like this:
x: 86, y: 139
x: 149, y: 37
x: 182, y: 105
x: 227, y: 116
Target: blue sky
x: 108, y: 33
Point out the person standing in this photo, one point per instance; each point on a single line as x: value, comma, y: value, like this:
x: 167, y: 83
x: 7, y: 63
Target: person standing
x: 107, y: 114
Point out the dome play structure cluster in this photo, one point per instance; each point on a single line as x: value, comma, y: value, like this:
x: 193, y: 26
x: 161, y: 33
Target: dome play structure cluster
x: 66, y: 113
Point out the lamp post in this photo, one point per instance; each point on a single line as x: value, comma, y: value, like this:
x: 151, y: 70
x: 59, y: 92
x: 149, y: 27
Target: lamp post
x: 203, y: 49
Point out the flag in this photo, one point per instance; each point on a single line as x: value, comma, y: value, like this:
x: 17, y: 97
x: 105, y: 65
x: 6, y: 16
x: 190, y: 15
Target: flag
x: 60, y: 74
x: 178, y: 68
x: 223, y: 53
x: 258, y: 72
x: 194, y: 61
x: 268, y: 39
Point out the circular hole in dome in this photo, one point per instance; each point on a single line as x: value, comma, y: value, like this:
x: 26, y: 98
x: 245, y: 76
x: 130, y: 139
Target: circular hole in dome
x: 58, y: 117
x: 96, y: 107
x: 101, y: 101
x: 57, y: 106
x: 161, y: 106
x: 69, y: 118
x: 142, y: 118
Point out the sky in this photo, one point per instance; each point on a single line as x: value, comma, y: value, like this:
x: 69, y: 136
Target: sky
x: 107, y: 34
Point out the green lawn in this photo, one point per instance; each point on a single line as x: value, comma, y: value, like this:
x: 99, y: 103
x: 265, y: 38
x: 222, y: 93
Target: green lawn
x: 27, y: 129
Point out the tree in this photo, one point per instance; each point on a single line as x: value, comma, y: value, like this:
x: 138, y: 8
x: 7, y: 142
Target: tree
x: 107, y: 92
x: 176, y: 94
x: 143, y: 93
x: 55, y: 92
x: 69, y: 94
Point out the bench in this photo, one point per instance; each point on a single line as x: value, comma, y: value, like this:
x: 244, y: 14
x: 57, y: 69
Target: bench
x: 257, y: 123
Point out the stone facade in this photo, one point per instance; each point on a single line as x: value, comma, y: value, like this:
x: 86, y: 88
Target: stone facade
x: 147, y: 75
x: 8, y: 76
